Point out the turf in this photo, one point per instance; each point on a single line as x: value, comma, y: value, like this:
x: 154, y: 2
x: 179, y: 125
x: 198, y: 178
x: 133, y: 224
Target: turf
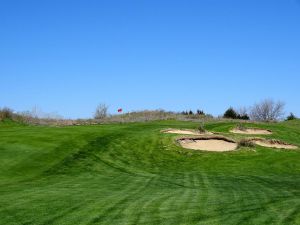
x: 133, y: 174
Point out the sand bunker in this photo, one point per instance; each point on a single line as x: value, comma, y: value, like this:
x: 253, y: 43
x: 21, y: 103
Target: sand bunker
x: 216, y: 144
x: 274, y: 144
x: 250, y: 131
x: 186, y: 131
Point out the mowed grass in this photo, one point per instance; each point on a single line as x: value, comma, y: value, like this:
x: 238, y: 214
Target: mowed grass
x: 133, y: 174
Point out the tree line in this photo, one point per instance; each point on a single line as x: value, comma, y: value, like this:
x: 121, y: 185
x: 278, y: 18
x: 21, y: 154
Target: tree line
x: 266, y: 110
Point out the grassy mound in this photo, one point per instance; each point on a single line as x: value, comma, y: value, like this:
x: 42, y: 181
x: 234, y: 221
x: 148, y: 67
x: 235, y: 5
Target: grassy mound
x: 134, y: 174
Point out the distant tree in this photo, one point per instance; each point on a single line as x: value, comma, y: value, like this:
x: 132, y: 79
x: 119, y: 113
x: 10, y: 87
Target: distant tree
x: 291, y: 117
x: 230, y: 113
x: 101, y: 111
x: 191, y: 112
x: 236, y: 114
x: 242, y: 113
x: 184, y: 113
x: 243, y: 117
x: 267, y: 110
x: 6, y: 113
x: 35, y: 112
x: 200, y: 112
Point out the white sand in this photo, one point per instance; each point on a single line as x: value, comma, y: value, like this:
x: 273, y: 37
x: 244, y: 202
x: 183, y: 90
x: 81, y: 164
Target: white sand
x: 208, y: 145
x: 250, y: 131
x: 188, y: 132
x: 266, y: 143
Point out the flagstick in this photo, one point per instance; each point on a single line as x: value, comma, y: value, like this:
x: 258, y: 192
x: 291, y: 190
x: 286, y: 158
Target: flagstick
x: 120, y: 111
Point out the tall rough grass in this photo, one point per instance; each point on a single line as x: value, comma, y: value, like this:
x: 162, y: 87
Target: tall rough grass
x: 135, y: 116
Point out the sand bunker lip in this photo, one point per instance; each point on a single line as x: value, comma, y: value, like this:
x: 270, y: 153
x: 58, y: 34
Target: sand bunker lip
x: 272, y: 143
x: 184, y: 131
x: 250, y: 131
x: 209, y: 143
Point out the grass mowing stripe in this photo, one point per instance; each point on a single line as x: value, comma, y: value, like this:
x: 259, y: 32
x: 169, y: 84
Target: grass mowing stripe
x: 133, y: 174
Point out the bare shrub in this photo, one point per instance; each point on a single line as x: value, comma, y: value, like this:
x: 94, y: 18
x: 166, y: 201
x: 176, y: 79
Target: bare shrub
x: 101, y: 111
x: 201, y: 128
x: 267, y: 110
x: 38, y: 113
x: 241, y: 126
x: 246, y: 143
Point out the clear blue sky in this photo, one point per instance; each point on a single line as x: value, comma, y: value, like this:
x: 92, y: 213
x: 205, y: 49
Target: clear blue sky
x: 67, y: 56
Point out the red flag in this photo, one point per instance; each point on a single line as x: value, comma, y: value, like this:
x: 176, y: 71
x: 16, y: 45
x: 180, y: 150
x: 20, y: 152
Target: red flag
x: 120, y: 110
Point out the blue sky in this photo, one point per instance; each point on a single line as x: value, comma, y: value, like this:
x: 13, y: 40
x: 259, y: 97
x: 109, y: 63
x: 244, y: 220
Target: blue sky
x: 68, y: 56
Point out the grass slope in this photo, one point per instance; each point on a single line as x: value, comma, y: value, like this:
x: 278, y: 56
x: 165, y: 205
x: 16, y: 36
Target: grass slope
x: 133, y: 174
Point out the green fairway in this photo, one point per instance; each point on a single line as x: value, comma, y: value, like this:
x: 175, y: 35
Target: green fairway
x: 134, y: 174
